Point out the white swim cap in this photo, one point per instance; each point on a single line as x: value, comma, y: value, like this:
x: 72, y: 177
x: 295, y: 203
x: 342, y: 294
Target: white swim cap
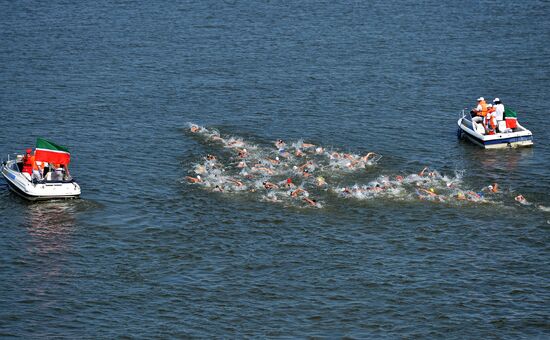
x: 480, y: 98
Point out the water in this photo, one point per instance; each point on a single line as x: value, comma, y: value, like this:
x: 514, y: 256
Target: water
x: 144, y: 253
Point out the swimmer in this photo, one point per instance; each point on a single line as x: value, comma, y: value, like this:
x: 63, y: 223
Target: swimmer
x: 352, y: 164
x: 421, y: 173
x: 297, y: 192
x: 237, y: 182
x: 284, y: 153
x: 298, y: 153
x: 491, y: 188
x: 274, y: 161
x: 241, y: 164
x: 521, y: 199
x: 349, y: 156
x: 430, y: 192
x: 210, y: 157
x: 270, y: 186
x: 320, y: 181
x: 195, y: 129
x: 280, y: 144
x: 305, y: 165
x: 242, y: 153
x: 190, y: 179
x: 399, y: 178
x: 319, y: 150
x: 218, y: 188
x: 346, y: 191
x: 200, y: 169
x: 263, y: 169
x: 367, y: 156
x: 310, y: 201
x: 376, y: 188
x: 288, y: 183
x: 307, y: 145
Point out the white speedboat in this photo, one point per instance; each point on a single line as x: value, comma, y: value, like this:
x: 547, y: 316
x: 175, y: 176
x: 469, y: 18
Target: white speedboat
x: 473, y: 130
x: 55, y: 184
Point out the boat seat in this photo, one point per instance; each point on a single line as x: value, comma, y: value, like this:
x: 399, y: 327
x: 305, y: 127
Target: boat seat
x: 479, y: 128
x: 502, y: 126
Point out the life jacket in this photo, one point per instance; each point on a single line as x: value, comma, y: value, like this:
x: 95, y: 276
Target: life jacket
x: 37, y: 165
x: 28, y: 162
x: 483, y: 111
x: 491, y: 122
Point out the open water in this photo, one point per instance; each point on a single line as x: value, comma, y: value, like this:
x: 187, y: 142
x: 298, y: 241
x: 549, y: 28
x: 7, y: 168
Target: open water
x: 145, y: 254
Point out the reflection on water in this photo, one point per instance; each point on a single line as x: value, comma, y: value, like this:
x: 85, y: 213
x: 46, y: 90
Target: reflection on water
x: 50, y: 226
x: 505, y: 160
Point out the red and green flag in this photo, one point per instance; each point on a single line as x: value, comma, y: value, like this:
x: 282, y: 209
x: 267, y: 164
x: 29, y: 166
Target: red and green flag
x: 47, y: 151
x: 511, y: 118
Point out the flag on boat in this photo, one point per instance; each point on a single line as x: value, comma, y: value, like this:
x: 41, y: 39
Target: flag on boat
x: 511, y: 118
x: 47, y: 151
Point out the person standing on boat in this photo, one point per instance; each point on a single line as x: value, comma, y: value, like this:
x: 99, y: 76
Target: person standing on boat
x: 28, y: 162
x: 499, y: 109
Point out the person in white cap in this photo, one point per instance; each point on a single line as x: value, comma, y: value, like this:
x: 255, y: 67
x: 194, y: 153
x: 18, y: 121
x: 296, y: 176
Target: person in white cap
x: 499, y: 109
x: 481, y: 108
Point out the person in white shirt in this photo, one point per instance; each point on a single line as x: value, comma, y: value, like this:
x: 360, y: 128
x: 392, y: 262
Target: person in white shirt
x: 499, y: 109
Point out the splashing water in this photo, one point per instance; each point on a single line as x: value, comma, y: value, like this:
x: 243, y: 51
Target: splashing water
x: 288, y: 173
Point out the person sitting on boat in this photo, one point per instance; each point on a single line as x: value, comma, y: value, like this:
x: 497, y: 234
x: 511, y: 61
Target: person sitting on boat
x: 37, y: 169
x: 481, y: 108
x: 58, y: 172
x: 28, y: 161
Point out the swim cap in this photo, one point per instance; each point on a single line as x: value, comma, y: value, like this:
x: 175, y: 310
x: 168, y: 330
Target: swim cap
x: 288, y: 180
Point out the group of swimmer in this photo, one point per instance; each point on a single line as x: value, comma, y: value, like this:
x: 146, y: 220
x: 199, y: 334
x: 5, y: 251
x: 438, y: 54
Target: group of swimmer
x: 298, y: 172
x: 283, y: 172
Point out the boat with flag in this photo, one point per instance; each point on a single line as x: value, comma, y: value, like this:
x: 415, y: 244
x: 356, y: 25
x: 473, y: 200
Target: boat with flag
x: 507, y: 133
x: 41, y: 175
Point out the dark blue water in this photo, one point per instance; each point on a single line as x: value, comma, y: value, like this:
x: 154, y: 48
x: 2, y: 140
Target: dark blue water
x: 145, y: 254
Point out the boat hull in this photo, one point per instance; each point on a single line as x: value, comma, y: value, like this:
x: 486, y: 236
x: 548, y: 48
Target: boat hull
x: 23, y: 187
x: 523, y: 138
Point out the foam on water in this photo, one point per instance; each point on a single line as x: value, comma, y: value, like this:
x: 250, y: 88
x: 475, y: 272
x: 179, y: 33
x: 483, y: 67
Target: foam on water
x: 289, y: 173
